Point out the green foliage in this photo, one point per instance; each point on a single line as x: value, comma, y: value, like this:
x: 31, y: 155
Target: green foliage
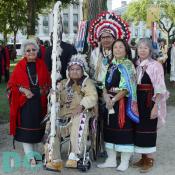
x: 137, y: 11
x: 17, y: 14
x: 12, y: 16
x: 168, y: 9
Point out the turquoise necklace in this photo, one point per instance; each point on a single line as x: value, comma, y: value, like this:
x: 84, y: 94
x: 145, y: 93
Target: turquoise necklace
x: 106, y: 57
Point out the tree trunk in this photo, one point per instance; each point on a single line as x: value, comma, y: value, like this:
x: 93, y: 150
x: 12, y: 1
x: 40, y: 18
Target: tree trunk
x: 14, y: 43
x: 85, y: 9
x: 93, y: 7
x: 31, y: 13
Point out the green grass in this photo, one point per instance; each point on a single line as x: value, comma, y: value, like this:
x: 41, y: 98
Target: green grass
x: 4, y: 106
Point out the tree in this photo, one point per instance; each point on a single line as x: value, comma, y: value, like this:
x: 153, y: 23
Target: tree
x: 91, y: 8
x: 5, y: 28
x: 137, y: 11
x: 20, y: 14
x: 16, y: 16
x: 35, y: 7
x: 12, y: 17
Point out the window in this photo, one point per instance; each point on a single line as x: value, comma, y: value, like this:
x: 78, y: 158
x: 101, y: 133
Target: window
x: 75, y: 6
x: 45, y: 25
x: 75, y: 23
x: 65, y: 23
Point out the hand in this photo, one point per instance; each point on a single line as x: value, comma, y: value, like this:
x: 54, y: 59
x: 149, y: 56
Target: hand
x: 154, y: 112
x: 107, y: 97
x: 28, y: 93
x: 109, y: 101
x: 110, y: 104
x: 78, y: 110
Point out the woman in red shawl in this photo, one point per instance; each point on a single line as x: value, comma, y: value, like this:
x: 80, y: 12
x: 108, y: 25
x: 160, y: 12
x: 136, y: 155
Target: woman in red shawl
x: 28, y: 88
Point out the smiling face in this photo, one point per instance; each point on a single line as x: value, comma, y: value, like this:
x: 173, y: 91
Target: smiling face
x: 30, y: 53
x: 75, y: 72
x: 119, y: 50
x: 106, y: 40
x: 143, y: 51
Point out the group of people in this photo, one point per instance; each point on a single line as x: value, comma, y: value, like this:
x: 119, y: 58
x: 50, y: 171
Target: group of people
x: 127, y: 97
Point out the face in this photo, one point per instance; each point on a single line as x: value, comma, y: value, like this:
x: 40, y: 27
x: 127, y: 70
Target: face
x: 162, y: 43
x: 143, y: 51
x: 31, y: 53
x: 75, y: 72
x: 106, y: 40
x: 119, y: 50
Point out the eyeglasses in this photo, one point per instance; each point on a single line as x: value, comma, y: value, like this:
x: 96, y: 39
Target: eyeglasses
x: 106, y: 37
x: 30, y: 50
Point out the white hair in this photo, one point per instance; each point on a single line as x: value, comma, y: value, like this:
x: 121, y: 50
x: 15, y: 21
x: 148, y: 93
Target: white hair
x: 27, y: 43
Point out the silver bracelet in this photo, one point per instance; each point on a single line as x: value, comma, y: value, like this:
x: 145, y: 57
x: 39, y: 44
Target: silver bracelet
x: 21, y: 89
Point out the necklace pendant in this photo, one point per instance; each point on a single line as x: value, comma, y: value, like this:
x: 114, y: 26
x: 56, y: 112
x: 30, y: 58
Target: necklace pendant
x: 105, y: 61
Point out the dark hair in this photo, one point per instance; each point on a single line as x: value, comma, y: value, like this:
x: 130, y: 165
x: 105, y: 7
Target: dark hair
x: 162, y: 40
x: 127, y: 48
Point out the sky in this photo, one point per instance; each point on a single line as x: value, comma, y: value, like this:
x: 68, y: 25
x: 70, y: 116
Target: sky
x: 117, y: 3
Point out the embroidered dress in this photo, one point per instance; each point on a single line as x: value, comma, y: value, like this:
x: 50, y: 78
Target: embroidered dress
x: 146, y: 131
x: 117, y: 134
x: 150, y: 79
x: 39, y: 83
x: 30, y: 130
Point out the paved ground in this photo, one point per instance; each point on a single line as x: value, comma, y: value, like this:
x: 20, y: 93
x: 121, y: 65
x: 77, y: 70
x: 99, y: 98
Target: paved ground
x: 164, y: 165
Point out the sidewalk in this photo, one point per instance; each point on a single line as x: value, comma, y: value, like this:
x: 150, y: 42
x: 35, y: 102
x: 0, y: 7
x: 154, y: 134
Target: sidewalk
x: 164, y: 164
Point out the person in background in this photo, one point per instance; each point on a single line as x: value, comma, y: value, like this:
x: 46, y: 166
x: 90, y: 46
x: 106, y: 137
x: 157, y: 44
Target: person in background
x: 151, y: 97
x: 12, y: 52
x: 42, y: 49
x: 121, y: 107
x: 46, y: 44
x: 1, y: 64
x: 164, y: 56
x: 4, y: 62
x: 133, y: 49
x: 67, y: 51
x: 169, y: 59
x: 28, y: 87
x: 172, y: 64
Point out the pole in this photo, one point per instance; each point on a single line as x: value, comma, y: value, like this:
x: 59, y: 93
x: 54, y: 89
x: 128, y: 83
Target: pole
x: 55, y: 75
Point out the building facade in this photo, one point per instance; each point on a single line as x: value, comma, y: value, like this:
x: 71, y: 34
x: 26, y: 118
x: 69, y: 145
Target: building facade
x: 71, y: 16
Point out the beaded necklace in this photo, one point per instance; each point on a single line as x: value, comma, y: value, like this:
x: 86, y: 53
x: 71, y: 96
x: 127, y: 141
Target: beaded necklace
x: 106, y: 56
x: 30, y: 78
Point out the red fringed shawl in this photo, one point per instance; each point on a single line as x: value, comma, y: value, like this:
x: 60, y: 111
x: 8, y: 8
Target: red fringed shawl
x: 17, y: 99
